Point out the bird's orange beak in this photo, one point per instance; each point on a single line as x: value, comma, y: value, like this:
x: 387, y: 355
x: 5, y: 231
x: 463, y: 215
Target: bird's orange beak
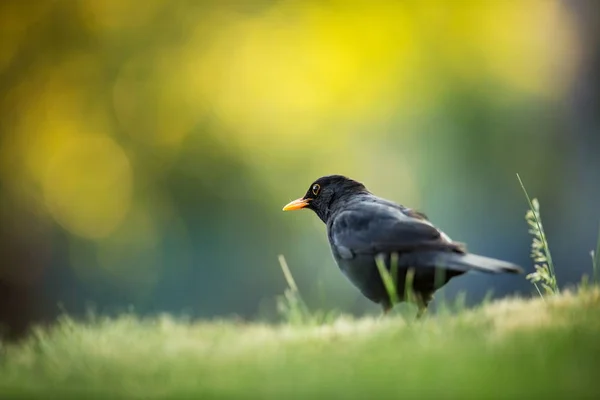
x: 296, y: 204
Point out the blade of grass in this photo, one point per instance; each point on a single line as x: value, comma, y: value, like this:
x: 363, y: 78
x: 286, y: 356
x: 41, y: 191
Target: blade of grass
x: 408, y: 285
x: 394, y: 267
x: 539, y: 225
x: 287, y: 273
x: 596, y: 260
x: 539, y: 291
x: 291, y: 305
x: 387, y: 278
x: 543, y: 246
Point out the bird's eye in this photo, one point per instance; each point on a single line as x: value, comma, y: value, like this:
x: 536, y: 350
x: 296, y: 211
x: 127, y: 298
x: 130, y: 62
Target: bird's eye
x: 315, y: 189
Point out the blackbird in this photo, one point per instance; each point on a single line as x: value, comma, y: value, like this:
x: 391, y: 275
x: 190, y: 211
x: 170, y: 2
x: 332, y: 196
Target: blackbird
x: 362, y: 227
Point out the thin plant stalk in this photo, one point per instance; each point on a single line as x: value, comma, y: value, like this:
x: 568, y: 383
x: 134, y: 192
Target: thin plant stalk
x: 544, y: 273
x: 596, y: 260
x: 539, y: 225
x: 388, y: 281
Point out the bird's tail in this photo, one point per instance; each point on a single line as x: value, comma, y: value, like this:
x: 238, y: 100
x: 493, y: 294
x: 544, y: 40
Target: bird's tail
x: 459, y: 262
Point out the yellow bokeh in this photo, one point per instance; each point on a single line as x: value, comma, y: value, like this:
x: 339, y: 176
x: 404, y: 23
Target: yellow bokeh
x: 523, y: 45
x: 53, y: 108
x: 108, y: 16
x: 15, y: 26
x: 145, y: 84
x: 289, y: 72
x: 301, y: 75
x: 88, y: 185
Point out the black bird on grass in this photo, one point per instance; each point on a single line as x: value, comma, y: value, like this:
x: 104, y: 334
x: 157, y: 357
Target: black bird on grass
x: 362, y: 227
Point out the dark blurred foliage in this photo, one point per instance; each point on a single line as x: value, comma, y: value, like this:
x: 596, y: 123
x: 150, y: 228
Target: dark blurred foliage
x: 146, y: 152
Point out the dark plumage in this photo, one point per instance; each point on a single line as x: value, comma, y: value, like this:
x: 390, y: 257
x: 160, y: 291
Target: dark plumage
x: 361, y: 226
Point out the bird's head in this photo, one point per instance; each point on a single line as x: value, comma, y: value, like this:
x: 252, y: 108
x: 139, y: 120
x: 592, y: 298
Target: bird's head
x: 323, y: 195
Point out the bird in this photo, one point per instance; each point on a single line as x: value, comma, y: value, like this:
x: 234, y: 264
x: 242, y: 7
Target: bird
x: 366, y: 232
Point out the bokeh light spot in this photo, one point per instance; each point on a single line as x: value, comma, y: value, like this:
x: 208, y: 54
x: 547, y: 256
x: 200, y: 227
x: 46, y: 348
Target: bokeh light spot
x: 147, y: 83
x: 88, y: 185
x: 289, y: 73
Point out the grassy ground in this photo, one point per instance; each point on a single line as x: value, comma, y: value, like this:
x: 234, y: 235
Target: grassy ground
x: 508, y: 349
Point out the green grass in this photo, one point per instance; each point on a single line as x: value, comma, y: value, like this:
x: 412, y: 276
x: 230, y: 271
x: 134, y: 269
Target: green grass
x: 513, y: 348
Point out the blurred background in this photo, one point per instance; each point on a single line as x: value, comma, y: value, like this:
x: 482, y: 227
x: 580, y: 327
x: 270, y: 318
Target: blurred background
x: 146, y: 150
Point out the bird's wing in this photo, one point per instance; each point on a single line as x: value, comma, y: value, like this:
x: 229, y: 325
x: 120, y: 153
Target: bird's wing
x: 373, y: 228
x: 405, y: 210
